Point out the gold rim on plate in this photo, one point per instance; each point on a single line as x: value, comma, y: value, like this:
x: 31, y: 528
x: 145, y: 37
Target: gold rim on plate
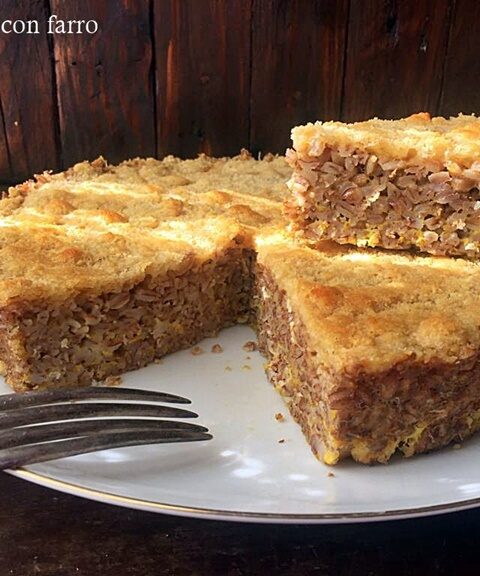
x: 196, y: 512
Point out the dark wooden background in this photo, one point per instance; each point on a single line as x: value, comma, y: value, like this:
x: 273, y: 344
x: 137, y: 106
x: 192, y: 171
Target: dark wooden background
x: 189, y: 76
x: 46, y: 533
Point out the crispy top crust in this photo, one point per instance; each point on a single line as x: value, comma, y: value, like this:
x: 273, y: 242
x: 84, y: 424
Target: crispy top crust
x: 367, y: 310
x: 100, y: 227
x: 416, y: 140
x: 41, y: 261
x: 137, y: 191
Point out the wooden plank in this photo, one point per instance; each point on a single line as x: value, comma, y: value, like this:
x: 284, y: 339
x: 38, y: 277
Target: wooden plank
x: 104, y: 80
x: 6, y: 175
x: 202, y: 52
x: 297, y: 67
x: 395, y: 56
x: 462, y: 68
x: 26, y: 96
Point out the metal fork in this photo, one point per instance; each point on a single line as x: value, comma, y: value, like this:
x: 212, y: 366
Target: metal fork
x: 40, y: 426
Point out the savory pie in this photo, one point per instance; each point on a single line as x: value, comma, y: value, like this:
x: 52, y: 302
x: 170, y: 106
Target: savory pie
x: 104, y: 268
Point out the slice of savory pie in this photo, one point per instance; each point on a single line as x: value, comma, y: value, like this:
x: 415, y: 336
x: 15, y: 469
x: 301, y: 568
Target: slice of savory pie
x: 410, y: 183
x: 373, y: 351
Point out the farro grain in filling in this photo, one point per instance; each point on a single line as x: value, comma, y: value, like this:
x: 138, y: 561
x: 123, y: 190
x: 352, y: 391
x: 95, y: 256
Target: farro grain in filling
x: 354, y: 197
x: 89, y: 338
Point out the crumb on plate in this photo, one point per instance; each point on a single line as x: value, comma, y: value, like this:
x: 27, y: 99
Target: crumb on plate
x: 113, y: 381
x: 250, y: 346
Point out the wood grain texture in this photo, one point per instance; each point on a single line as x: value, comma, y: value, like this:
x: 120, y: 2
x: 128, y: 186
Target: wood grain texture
x: 5, y: 167
x: 202, y: 58
x: 28, y: 142
x: 46, y: 533
x: 461, y: 90
x: 395, y: 55
x: 297, y: 67
x: 188, y: 76
x: 105, y: 82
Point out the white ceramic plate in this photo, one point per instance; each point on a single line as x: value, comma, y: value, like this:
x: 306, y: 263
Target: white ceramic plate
x: 245, y: 473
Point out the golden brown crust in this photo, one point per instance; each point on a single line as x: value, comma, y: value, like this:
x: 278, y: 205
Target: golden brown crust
x: 416, y: 140
x: 368, y: 310
x: 101, y: 226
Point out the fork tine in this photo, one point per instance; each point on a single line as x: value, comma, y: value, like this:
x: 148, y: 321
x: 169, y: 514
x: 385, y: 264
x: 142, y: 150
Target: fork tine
x: 65, y: 430
x: 23, y: 455
x: 56, y: 412
x: 35, y: 398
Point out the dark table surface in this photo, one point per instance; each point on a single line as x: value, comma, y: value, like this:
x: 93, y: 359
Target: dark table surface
x: 47, y: 533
